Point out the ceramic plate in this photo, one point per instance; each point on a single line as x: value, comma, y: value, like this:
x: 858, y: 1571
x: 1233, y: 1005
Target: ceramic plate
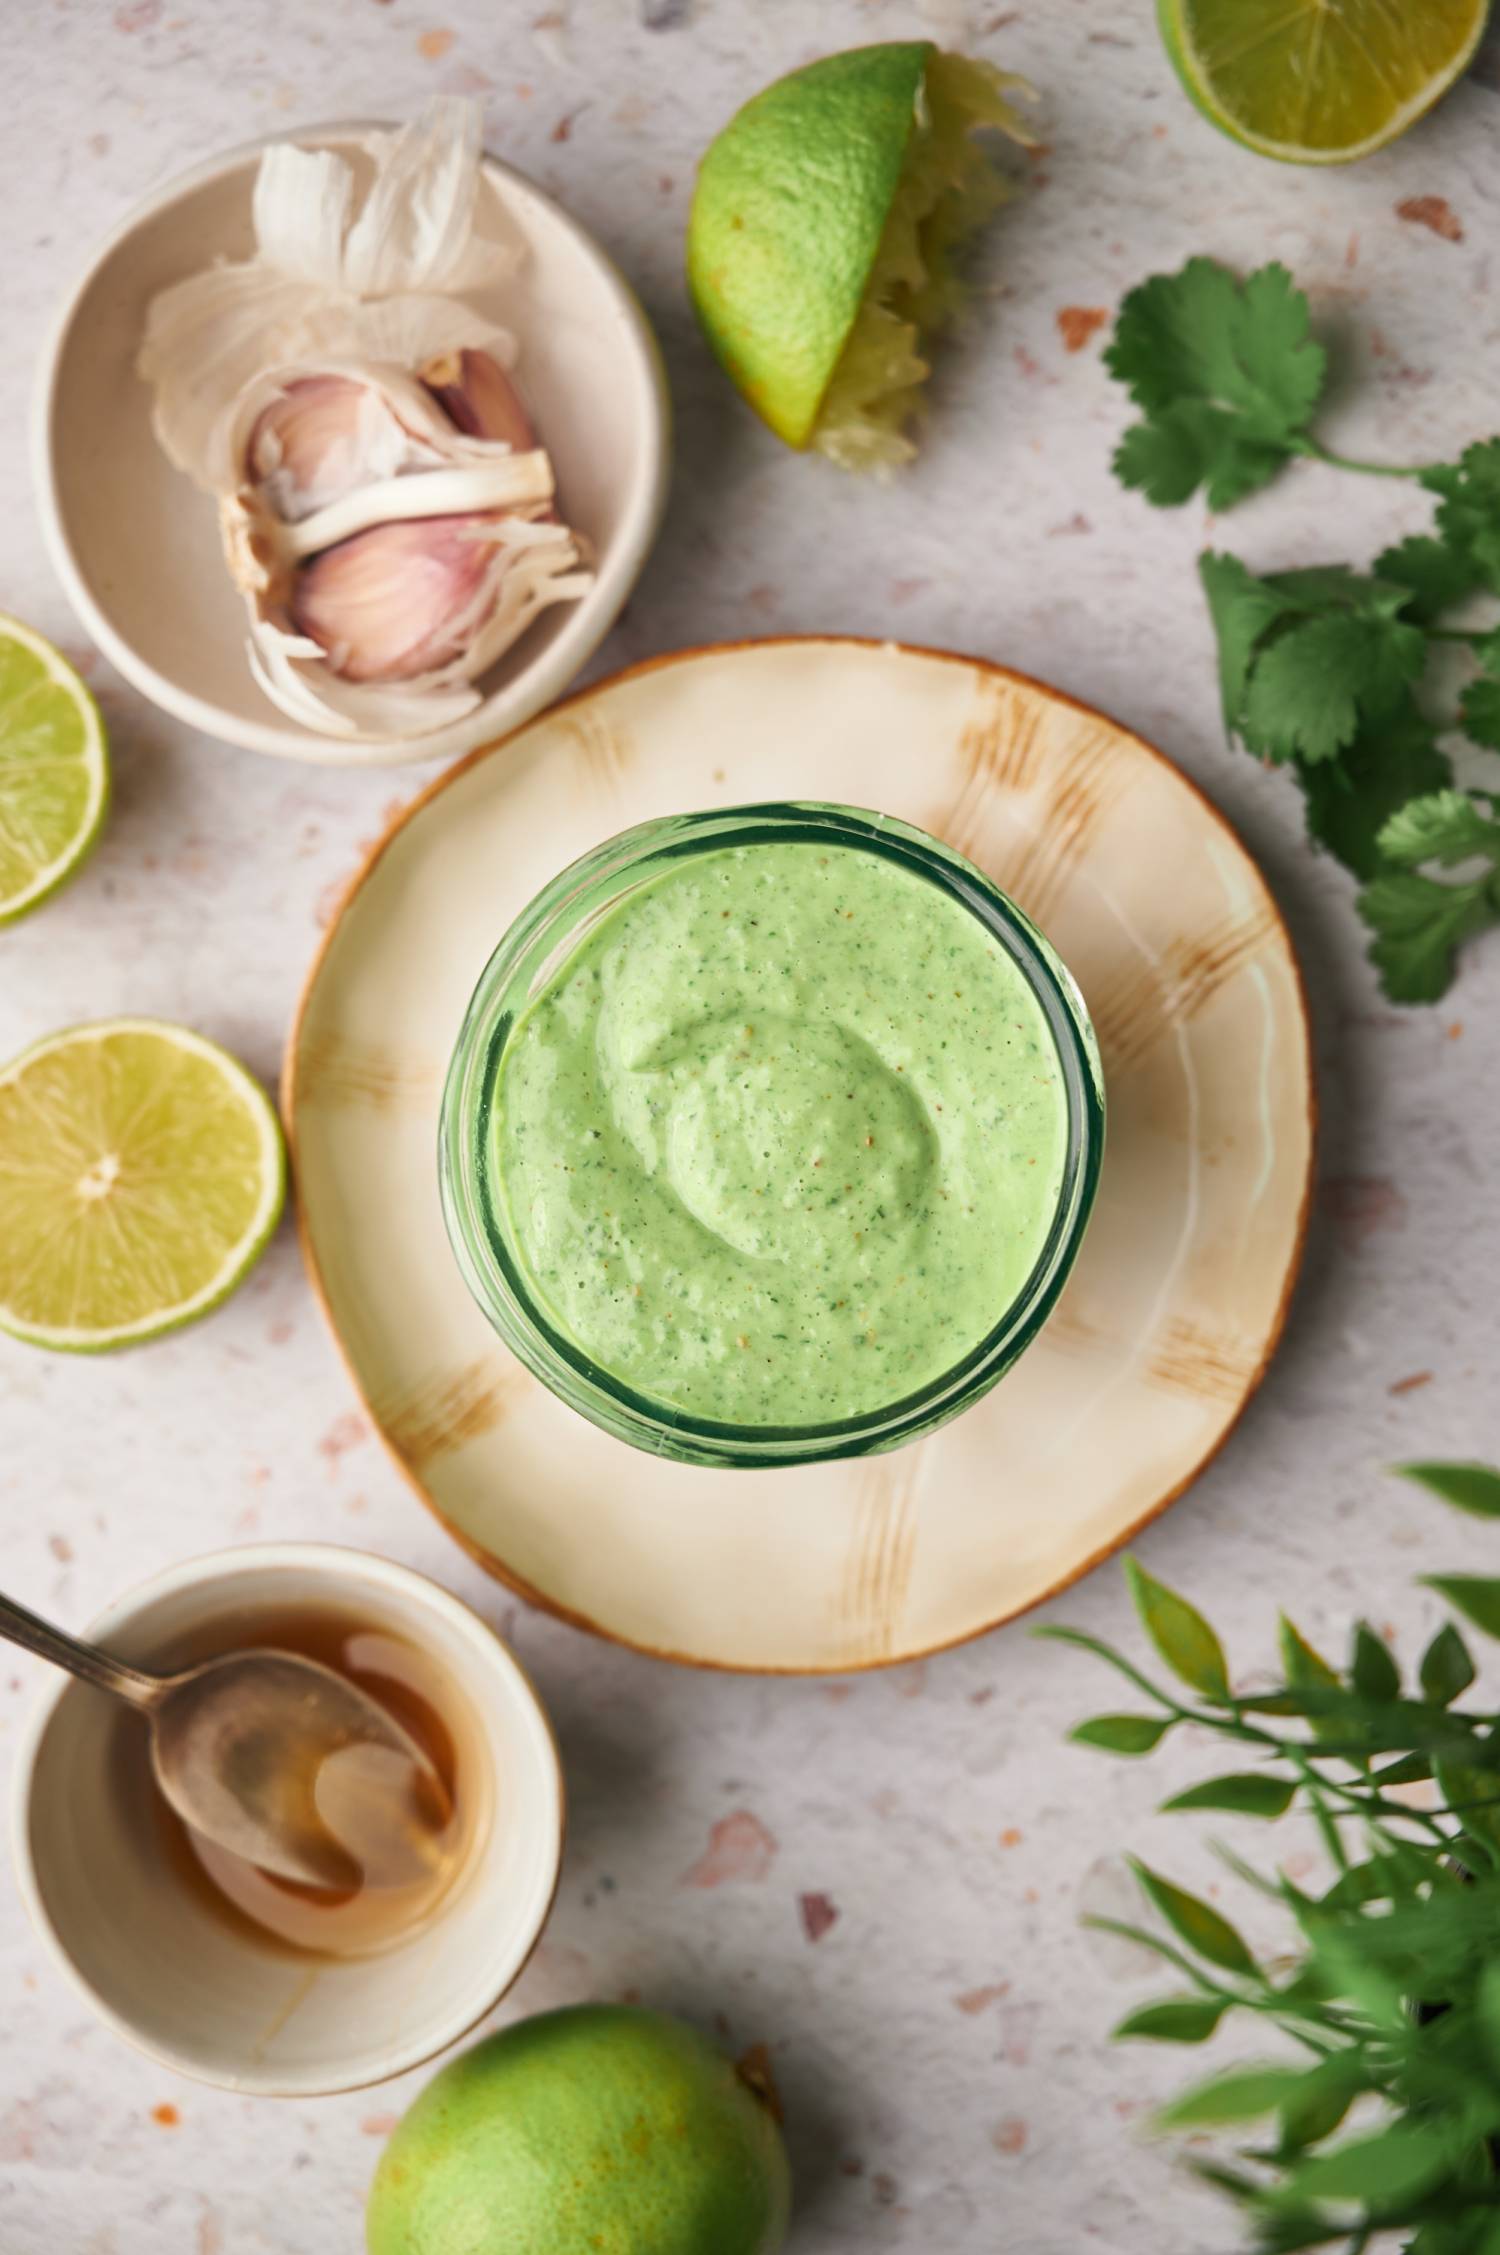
x: 1180, y: 1290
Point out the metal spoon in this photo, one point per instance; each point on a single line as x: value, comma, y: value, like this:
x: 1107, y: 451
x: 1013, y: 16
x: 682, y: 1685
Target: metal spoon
x: 277, y: 1758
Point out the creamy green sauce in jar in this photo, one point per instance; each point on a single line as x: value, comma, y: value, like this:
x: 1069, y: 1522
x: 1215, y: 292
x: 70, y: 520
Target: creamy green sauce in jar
x: 782, y: 1139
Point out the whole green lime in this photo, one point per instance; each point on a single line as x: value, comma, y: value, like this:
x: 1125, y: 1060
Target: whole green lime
x: 599, y: 2130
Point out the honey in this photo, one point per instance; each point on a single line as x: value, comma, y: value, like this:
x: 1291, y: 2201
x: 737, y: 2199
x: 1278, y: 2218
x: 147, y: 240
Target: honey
x: 398, y: 1891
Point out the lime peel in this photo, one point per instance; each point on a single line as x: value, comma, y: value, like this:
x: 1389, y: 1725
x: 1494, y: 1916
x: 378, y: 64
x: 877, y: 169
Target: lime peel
x: 54, y: 771
x: 142, y: 1173
x: 823, y: 242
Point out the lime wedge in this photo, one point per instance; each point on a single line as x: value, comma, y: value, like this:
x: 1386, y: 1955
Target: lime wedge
x: 54, y: 770
x: 141, y: 1173
x: 1319, y: 81
x: 821, y: 242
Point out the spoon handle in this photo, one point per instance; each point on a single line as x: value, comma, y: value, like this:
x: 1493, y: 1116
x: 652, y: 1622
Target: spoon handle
x: 18, y: 1626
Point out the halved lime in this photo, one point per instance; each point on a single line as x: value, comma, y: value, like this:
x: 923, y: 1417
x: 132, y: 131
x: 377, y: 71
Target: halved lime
x: 1319, y: 81
x: 141, y: 1173
x: 54, y: 770
x: 824, y: 223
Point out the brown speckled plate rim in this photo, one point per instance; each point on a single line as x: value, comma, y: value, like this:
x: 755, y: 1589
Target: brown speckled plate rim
x: 1274, y: 1331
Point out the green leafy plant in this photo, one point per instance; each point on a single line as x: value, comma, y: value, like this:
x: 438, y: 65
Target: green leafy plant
x: 1320, y: 670
x: 1388, y: 2002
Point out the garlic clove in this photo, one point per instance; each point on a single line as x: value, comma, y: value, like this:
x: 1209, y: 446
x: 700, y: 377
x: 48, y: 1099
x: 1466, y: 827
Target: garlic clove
x: 479, y: 398
x: 532, y: 563
x: 397, y: 600
x: 320, y: 438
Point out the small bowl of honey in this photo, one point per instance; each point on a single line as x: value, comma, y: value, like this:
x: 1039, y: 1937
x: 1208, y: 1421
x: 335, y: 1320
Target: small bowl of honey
x: 258, y: 1983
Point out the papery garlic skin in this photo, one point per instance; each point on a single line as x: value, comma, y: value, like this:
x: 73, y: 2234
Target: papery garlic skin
x: 419, y: 226
x: 386, y: 507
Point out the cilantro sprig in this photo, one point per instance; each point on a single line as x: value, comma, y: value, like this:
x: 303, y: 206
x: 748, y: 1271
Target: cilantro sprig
x: 1375, y: 2119
x: 1322, y: 670
x: 1229, y: 376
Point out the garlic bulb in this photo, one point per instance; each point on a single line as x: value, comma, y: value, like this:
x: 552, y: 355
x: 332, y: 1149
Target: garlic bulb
x: 386, y: 508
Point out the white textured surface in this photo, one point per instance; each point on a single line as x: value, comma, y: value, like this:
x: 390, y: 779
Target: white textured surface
x: 936, y: 1807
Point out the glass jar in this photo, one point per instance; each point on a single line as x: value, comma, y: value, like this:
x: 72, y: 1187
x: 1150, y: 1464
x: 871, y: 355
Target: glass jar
x: 545, y: 935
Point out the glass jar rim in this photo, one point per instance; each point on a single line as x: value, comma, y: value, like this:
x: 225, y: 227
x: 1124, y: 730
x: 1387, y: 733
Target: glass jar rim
x: 545, y: 934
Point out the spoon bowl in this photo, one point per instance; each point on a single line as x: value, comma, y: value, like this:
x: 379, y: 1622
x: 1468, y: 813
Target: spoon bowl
x: 275, y: 1757
x: 291, y: 1766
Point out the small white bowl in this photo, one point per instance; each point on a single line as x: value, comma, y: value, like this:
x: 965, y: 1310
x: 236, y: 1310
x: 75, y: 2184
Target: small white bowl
x: 136, y: 545
x: 197, y: 1990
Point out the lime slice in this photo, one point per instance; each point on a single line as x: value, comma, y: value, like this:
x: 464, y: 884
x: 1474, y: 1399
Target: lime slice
x: 54, y: 770
x: 1319, y: 81
x: 823, y: 230
x: 141, y: 1173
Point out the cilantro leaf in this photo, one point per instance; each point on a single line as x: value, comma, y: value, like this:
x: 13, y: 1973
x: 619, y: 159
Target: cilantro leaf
x: 1306, y: 657
x: 1353, y: 800
x: 1311, y: 685
x: 1244, y: 610
x: 1480, y: 711
x: 1419, y: 925
x: 1227, y: 373
x: 1442, y: 826
x: 1324, y: 587
x: 1201, y: 334
x: 1437, y: 575
x: 1192, y: 444
x: 1418, y: 922
x: 1468, y: 511
x: 1302, y: 699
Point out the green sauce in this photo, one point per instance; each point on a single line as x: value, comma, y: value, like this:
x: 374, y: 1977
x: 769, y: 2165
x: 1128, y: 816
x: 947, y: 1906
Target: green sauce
x: 781, y: 1140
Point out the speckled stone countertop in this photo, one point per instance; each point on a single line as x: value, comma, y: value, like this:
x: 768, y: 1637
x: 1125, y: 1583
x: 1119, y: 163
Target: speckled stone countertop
x: 881, y: 1878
